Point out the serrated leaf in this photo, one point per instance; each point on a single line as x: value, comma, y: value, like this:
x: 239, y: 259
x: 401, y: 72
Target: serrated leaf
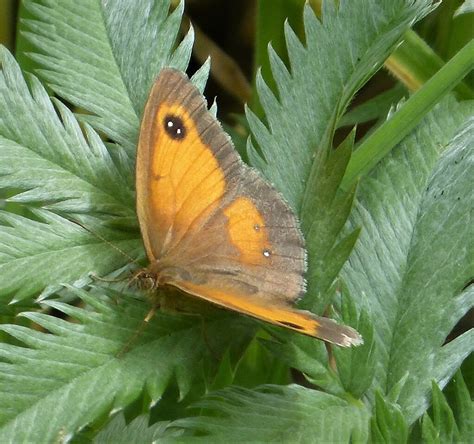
x: 373, y: 109
x: 90, y: 60
x: 137, y: 431
x: 323, y: 219
x: 66, y: 170
x: 80, y: 66
x: 464, y: 411
x: 37, y: 256
x: 275, y: 413
x: 325, y: 74
x: 443, y: 416
x: 384, y: 138
x: 310, y: 358
x: 412, y: 259
x: 356, y: 366
x: 76, y: 367
x: 428, y: 431
x: 140, y: 59
x: 259, y: 366
x: 446, y: 425
x: 388, y: 424
x: 300, y: 119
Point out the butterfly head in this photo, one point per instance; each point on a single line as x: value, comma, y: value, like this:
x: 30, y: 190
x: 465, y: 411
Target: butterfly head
x: 146, y: 280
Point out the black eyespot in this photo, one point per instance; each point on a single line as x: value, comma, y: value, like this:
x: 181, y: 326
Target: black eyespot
x: 174, y: 127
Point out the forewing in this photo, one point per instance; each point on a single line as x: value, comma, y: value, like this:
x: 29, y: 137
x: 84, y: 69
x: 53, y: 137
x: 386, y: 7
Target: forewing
x: 180, y: 176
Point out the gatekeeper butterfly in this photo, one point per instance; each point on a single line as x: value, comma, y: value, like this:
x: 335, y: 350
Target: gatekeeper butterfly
x: 211, y: 225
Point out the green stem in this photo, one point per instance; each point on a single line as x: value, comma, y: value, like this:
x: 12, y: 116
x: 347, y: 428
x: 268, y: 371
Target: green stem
x: 388, y: 135
x: 414, y: 63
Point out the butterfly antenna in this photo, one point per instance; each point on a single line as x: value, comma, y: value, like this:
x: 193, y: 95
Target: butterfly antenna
x: 153, y: 309
x: 103, y: 239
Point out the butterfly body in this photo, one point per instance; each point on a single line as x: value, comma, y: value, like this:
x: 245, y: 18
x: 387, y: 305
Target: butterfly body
x: 211, y: 225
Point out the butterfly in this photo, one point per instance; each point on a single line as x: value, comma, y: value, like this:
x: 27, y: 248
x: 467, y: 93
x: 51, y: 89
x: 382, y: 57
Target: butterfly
x: 211, y: 225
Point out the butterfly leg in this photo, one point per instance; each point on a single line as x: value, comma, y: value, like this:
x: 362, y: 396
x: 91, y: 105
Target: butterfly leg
x: 139, y: 331
x: 95, y: 277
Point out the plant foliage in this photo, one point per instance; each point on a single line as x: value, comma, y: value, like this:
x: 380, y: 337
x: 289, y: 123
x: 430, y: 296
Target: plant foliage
x: 393, y: 259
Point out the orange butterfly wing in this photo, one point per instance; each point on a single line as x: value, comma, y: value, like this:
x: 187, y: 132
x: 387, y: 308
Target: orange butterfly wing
x: 211, y: 225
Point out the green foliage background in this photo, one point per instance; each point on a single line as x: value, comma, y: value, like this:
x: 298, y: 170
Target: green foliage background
x: 387, y: 221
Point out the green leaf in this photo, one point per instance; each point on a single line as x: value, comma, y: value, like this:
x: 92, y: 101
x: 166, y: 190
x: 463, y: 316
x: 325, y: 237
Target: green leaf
x: 463, y: 407
x: 373, y: 109
x: 309, y: 357
x: 80, y: 66
x: 224, y: 375
x: 137, y: 431
x: 444, y: 422
x: 84, y: 368
x: 37, y: 256
x: 140, y: 59
x: 259, y: 366
x: 322, y: 79
x: 93, y: 63
x: 275, y: 413
x: 66, y: 170
x: 450, y: 423
x: 296, y: 142
x: 326, y: 215
x: 356, y: 365
x: 270, y: 18
x: 388, y: 424
x: 414, y: 62
x: 70, y: 169
x: 296, y: 138
x: 414, y: 255
x: 388, y: 135
x: 54, y: 163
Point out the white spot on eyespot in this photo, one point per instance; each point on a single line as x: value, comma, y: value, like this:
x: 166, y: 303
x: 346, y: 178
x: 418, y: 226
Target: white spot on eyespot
x: 178, y: 131
x: 170, y: 124
x: 267, y: 253
x: 256, y: 227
